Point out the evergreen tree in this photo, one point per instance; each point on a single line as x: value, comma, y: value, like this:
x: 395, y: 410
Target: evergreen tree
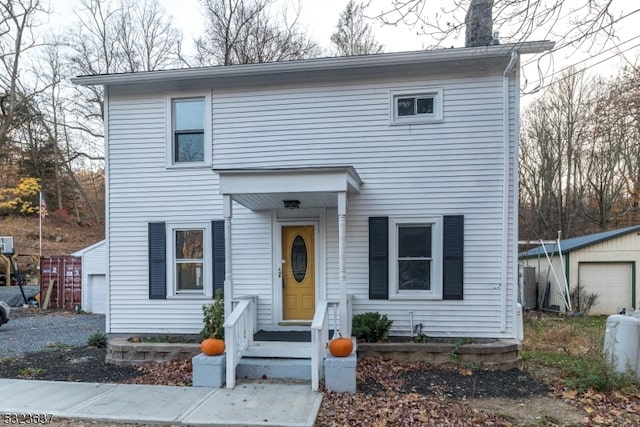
x: 353, y: 35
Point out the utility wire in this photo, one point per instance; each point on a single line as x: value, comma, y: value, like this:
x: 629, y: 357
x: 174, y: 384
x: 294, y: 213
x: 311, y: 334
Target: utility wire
x: 538, y: 88
x: 569, y: 43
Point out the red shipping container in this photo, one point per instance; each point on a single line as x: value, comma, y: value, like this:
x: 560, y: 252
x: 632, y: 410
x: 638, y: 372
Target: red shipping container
x: 64, y: 274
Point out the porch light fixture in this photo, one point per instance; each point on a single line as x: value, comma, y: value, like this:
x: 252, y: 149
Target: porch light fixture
x: 291, y: 204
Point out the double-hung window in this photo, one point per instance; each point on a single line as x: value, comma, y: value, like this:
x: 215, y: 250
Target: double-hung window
x: 415, y: 257
x: 189, y: 130
x: 189, y: 259
x: 416, y: 106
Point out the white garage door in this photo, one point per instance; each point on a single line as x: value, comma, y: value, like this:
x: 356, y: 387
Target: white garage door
x: 612, y: 283
x: 98, y: 291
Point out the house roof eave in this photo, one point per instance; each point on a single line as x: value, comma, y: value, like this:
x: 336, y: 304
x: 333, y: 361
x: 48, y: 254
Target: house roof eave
x: 336, y: 64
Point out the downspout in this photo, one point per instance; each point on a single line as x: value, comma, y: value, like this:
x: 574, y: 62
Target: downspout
x: 107, y: 208
x: 505, y: 192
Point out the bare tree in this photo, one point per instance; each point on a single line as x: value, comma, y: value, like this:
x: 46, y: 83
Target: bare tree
x: 516, y: 20
x: 605, y: 159
x: 147, y: 38
x: 16, y: 38
x: 573, y: 25
x: 353, y: 34
x: 627, y: 105
x: 242, y: 32
x: 556, y: 130
x: 118, y: 36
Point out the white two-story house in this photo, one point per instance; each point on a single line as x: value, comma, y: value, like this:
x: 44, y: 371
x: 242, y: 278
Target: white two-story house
x: 383, y: 183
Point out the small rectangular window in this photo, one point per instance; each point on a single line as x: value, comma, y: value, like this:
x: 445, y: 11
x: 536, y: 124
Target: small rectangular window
x: 188, y: 130
x: 418, y: 107
x: 189, y: 259
x: 415, y: 106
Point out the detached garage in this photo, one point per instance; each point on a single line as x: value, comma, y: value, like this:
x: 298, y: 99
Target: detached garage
x: 94, y: 273
x: 602, y: 263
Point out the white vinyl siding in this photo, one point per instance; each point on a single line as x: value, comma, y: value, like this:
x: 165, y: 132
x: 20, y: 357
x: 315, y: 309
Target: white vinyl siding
x: 94, y: 267
x: 417, y: 170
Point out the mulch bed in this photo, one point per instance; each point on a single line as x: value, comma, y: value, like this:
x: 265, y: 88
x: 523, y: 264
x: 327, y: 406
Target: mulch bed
x: 375, y: 376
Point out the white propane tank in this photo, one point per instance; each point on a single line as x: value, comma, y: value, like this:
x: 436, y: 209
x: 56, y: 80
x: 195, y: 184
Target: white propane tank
x: 622, y: 342
x: 519, y: 323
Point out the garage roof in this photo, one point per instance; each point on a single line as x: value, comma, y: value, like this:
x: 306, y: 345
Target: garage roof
x: 569, y: 245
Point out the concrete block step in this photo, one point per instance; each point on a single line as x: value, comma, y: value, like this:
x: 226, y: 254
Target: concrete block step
x: 281, y: 368
x: 279, y: 349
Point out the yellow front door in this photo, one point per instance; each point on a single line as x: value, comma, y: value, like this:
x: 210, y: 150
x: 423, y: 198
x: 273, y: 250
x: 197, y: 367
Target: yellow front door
x: 298, y: 272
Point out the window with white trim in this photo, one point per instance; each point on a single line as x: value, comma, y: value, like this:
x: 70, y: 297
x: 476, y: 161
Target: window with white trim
x: 189, y: 259
x: 419, y: 106
x: 415, y: 257
x: 188, y: 131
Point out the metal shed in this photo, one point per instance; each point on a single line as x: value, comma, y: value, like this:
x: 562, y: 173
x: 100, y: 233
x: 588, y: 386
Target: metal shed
x: 601, y: 263
x: 94, y: 273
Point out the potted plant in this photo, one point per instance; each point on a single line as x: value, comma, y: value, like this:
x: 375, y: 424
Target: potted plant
x: 213, y: 331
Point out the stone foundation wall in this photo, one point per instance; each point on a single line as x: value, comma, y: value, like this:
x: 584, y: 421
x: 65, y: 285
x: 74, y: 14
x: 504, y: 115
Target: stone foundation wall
x: 124, y: 353
x: 492, y: 355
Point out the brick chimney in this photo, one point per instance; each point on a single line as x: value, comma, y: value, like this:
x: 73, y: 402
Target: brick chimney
x: 479, y: 22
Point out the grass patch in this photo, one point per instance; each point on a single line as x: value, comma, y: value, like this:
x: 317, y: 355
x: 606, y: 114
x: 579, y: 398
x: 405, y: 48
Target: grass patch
x: 31, y: 371
x: 572, y: 347
x: 59, y: 346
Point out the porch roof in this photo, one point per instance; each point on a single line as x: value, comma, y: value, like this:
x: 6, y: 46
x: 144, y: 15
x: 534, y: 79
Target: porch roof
x: 266, y: 189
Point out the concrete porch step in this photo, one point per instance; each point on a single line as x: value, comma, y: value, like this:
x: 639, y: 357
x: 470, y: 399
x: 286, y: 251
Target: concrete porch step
x: 279, y: 349
x: 272, y: 368
x: 276, y: 360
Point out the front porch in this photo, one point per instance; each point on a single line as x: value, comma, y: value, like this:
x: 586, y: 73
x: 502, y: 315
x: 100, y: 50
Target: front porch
x: 297, y: 201
x: 286, y: 354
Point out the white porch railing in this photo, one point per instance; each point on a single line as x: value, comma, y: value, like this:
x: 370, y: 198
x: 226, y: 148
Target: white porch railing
x: 238, y: 334
x: 320, y: 335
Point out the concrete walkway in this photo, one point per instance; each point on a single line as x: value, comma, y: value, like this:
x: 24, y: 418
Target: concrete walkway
x: 249, y: 404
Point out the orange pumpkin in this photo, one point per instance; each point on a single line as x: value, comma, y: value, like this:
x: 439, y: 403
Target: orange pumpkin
x: 212, y: 346
x: 340, y: 347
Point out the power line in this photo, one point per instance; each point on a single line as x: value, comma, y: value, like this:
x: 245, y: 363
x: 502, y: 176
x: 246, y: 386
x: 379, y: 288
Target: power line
x: 538, y: 88
x: 569, y: 43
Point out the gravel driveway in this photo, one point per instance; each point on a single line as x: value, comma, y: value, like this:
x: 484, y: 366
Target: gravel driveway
x: 31, y: 330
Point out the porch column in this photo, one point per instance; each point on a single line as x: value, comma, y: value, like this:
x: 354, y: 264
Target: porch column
x: 228, y: 288
x: 345, y: 322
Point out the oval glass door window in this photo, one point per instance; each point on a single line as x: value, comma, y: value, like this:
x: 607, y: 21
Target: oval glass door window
x: 299, y: 259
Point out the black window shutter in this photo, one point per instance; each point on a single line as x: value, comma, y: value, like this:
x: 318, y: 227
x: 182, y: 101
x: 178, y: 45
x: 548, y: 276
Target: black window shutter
x: 379, y: 257
x: 453, y: 252
x: 217, y: 233
x: 157, y: 261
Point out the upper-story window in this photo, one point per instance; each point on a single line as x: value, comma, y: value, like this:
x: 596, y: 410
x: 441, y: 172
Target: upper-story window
x: 188, y: 130
x: 419, y: 106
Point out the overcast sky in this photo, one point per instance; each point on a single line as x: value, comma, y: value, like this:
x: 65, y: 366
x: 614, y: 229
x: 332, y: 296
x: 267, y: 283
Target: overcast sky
x: 320, y: 17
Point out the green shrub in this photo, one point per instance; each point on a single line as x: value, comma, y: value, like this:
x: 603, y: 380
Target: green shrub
x: 213, y: 318
x: 371, y: 327
x: 97, y: 339
x: 594, y: 372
